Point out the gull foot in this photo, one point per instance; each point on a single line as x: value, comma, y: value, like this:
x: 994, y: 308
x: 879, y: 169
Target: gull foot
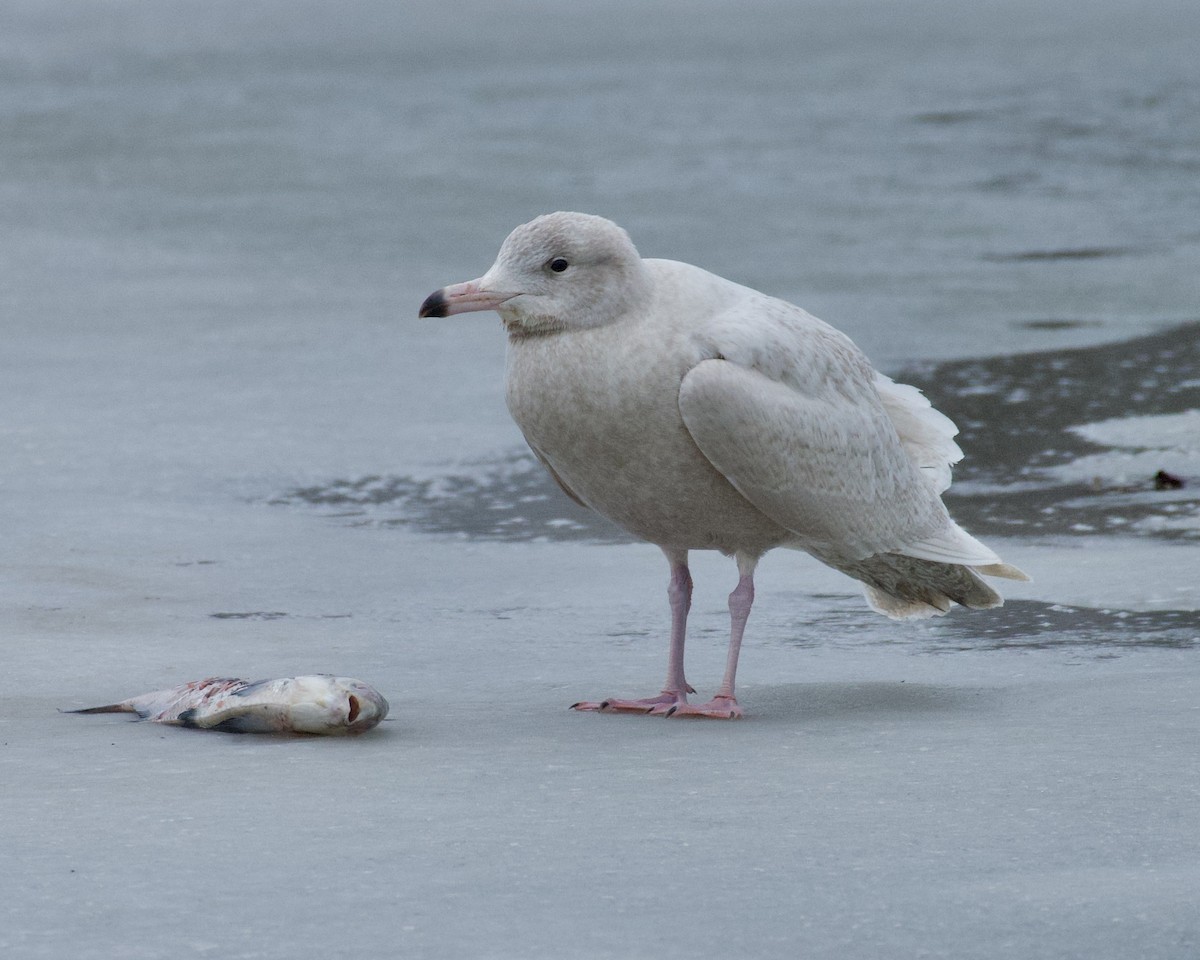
x: 660, y: 706
x: 718, y: 708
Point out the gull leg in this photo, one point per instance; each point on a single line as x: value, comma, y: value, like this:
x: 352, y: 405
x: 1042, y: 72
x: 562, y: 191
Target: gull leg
x: 724, y: 705
x: 676, y: 689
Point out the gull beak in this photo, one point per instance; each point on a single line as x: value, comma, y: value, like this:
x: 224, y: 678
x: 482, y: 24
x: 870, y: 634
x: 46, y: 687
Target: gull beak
x: 462, y: 298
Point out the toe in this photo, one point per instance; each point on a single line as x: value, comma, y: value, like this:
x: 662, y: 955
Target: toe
x: 657, y: 706
x: 718, y: 708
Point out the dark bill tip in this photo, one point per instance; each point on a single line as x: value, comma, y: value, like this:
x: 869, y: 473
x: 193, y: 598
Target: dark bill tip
x: 434, y: 305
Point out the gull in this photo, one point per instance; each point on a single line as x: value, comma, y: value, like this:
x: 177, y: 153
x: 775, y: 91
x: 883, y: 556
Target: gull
x: 699, y: 414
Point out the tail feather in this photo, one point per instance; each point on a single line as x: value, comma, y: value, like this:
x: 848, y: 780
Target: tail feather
x: 1005, y: 570
x: 897, y: 609
x: 906, y: 588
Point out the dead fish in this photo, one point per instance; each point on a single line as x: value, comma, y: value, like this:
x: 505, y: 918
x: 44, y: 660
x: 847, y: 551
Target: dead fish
x: 313, y: 704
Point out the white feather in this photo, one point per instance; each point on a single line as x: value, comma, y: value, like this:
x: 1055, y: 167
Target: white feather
x: 927, y: 434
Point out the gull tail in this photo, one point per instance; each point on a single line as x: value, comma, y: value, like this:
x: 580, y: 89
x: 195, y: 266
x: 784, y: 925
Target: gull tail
x: 927, y: 576
x: 907, y: 588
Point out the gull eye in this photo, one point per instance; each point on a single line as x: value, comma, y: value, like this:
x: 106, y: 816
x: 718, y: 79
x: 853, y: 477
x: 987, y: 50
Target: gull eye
x: 558, y: 264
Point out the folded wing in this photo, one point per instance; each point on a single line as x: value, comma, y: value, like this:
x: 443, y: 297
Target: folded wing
x: 825, y: 459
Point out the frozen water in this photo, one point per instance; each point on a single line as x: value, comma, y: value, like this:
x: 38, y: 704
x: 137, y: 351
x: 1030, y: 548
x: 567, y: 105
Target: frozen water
x: 1179, y: 430
x: 220, y: 219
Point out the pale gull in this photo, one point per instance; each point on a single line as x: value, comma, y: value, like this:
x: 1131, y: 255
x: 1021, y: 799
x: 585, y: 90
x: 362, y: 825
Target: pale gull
x: 702, y: 415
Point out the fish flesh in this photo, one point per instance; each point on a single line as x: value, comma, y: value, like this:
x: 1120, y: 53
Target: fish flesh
x: 318, y: 704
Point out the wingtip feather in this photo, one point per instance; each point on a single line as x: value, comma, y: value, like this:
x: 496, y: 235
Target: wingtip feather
x: 1005, y: 570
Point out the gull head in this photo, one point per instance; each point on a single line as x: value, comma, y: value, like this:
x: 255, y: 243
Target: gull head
x: 559, y: 272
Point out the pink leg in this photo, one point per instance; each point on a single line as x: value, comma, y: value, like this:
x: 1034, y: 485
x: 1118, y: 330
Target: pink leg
x: 724, y: 705
x: 675, y: 692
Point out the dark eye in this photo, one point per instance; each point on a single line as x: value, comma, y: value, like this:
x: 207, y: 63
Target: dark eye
x: 558, y: 264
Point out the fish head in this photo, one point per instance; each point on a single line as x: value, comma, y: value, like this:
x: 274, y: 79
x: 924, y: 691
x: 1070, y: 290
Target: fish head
x: 365, y: 706
x: 336, y: 705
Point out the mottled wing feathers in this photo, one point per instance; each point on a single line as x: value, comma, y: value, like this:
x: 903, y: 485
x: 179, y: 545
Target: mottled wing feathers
x: 822, y: 463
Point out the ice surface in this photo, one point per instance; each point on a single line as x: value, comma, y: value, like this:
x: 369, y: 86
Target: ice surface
x: 220, y: 219
x: 895, y: 790
x: 1180, y: 431
x: 1139, y: 447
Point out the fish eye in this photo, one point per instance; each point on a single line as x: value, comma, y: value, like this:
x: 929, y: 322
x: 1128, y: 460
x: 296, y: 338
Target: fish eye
x: 558, y: 264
